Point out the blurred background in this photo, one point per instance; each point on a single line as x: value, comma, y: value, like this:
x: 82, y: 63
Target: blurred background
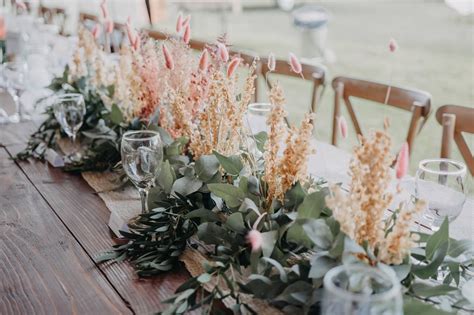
x: 348, y: 37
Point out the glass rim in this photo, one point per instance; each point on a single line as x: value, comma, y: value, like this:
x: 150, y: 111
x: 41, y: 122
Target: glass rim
x: 255, y: 107
x: 390, y: 293
x: 128, y: 135
x: 461, y: 167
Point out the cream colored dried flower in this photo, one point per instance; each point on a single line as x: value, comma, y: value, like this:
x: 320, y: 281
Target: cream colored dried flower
x: 360, y: 212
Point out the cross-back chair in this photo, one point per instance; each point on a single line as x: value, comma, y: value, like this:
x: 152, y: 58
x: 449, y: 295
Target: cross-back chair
x: 314, y: 73
x: 415, y: 101
x: 456, y: 120
x: 56, y: 16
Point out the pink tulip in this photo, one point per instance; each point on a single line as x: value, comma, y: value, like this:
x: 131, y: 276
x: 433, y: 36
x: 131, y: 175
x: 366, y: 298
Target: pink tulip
x: 204, y: 60
x: 255, y: 239
x: 271, y: 62
x: 401, y: 167
x: 233, y: 64
x: 179, y: 23
x: 342, y: 126
x: 187, y: 34
x: 222, y: 52
x: 21, y: 5
x: 96, y: 31
x: 104, y: 9
x: 109, y: 26
x: 169, y: 63
x: 392, y: 45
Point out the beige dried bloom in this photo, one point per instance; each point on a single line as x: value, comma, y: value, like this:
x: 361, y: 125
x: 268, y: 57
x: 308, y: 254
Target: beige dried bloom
x: 281, y: 173
x: 360, y: 212
x: 399, y: 241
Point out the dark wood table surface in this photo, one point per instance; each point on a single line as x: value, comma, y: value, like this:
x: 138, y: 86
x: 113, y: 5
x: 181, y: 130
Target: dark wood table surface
x: 52, y: 225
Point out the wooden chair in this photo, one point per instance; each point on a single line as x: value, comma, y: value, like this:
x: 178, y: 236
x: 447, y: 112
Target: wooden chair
x: 415, y: 101
x: 316, y: 74
x: 55, y: 16
x: 456, y: 120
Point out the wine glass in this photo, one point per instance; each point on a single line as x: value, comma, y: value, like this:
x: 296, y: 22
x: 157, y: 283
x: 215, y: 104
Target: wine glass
x: 69, y: 110
x: 142, y: 156
x: 361, y: 290
x: 442, y: 184
x: 14, y: 76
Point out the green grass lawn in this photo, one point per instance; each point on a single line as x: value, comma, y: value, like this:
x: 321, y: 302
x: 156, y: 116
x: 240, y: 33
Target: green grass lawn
x: 436, y: 55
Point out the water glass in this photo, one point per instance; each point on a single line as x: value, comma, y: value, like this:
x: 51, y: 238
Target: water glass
x: 442, y: 184
x: 14, y: 77
x: 142, y: 156
x: 69, y: 111
x: 256, y: 117
x: 362, y: 290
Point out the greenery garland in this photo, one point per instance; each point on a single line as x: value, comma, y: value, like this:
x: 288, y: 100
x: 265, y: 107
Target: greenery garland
x: 213, y: 203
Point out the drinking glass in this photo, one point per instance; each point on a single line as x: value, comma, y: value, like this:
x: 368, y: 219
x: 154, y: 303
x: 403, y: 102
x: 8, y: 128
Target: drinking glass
x: 14, y: 76
x: 441, y: 183
x: 142, y: 156
x: 361, y: 290
x: 69, y: 110
x: 256, y: 116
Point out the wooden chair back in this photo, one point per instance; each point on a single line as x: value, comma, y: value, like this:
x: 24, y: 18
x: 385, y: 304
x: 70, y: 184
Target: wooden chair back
x: 55, y: 16
x: 456, y: 120
x: 415, y: 101
x: 314, y: 73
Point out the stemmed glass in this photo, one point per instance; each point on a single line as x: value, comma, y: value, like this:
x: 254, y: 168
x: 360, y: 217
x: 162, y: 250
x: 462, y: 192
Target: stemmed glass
x: 14, y: 75
x: 358, y: 289
x: 69, y: 110
x: 142, y: 156
x: 442, y: 184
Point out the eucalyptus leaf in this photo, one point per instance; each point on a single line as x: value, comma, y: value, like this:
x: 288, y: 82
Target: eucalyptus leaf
x: 232, y: 195
x: 428, y: 270
x: 206, y: 167
x: 236, y: 222
x: 232, y: 164
x: 116, y: 115
x: 425, y: 290
x: 186, y: 185
x: 439, y: 237
x: 320, y: 265
x: 166, y: 177
x: 312, y: 205
x: 268, y: 242
x: 319, y: 233
x: 278, y: 266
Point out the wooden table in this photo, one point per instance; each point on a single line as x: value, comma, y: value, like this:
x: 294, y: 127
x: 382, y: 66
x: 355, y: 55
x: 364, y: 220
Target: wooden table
x: 52, y: 225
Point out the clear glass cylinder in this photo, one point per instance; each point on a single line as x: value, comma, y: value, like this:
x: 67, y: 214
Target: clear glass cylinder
x: 442, y: 184
x: 362, y: 290
x: 256, y: 117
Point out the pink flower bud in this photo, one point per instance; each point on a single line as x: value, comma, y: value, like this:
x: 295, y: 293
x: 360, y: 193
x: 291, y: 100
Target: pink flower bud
x: 204, y: 60
x: 96, y: 31
x: 187, y: 34
x: 136, y: 43
x: 132, y: 37
x: 401, y: 167
x: 392, y: 45
x: 233, y: 64
x: 342, y: 126
x: 255, y: 239
x: 295, y: 64
x: 179, y: 23
x: 169, y: 63
x: 186, y: 21
x: 271, y: 62
x: 222, y: 52
x: 21, y: 5
x: 109, y: 26
x: 104, y: 9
